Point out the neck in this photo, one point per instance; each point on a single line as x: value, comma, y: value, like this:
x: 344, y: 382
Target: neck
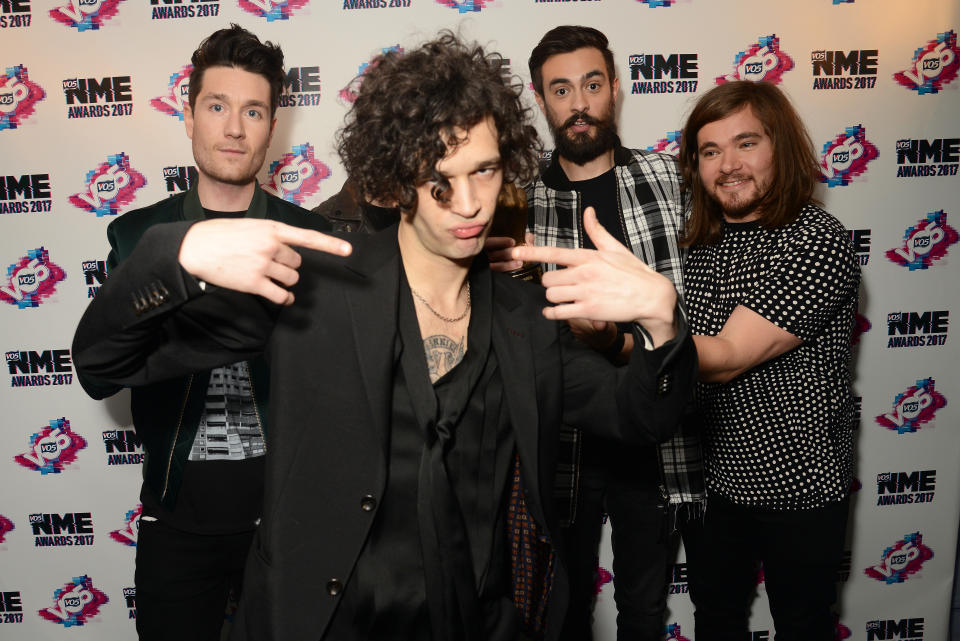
x: 220, y: 196
x: 591, y: 169
x: 438, y: 279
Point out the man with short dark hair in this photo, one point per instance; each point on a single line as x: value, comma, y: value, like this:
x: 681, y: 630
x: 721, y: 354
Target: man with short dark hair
x: 638, y: 200
x: 204, y: 431
x: 391, y: 511
x: 772, y: 285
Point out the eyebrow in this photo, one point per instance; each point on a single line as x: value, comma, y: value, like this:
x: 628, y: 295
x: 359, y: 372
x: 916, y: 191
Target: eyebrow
x: 483, y: 164
x: 584, y: 77
x: 222, y: 97
x: 738, y: 138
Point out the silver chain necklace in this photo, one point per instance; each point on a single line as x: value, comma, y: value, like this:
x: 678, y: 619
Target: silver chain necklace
x: 438, y: 314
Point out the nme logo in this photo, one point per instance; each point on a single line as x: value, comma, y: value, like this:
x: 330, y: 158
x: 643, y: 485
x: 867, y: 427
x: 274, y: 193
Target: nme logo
x: 301, y: 87
x: 888, y: 629
x: 898, y: 488
x: 90, y: 91
x: 917, y: 329
x: 664, y: 73
x: 860, y: 241
x: 179, y: 179
x: 862, y: 62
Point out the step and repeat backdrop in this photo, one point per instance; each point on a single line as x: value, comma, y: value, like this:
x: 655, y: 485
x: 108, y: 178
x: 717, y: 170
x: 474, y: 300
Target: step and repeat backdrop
x: 91, y: 126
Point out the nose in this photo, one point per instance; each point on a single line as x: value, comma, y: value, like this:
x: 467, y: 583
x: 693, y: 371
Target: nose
x: 730, y: 161
x: 464, y: 199
x: 234, y: 124
x: 579, y: 102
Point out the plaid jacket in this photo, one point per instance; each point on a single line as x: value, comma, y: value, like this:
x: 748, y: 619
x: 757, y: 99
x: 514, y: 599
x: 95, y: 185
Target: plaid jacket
x: 653, y: 211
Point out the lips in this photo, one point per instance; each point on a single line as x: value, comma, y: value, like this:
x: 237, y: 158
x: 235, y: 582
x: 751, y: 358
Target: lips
x: 579, y: 123
x: 733, y: 182
x: 471, y: 231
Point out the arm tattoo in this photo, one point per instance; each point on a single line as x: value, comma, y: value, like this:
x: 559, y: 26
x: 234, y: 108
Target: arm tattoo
x: 443, y: 354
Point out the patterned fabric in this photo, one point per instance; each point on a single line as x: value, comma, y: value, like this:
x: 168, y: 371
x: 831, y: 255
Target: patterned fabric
x: 779, y: 436
x: 531, y: 562
x: 653, y: 208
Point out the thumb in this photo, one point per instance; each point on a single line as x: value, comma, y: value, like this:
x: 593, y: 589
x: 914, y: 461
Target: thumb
x: 601, y: 238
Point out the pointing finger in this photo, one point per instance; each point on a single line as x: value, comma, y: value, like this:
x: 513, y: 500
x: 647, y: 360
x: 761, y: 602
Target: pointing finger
x: 311, y: 239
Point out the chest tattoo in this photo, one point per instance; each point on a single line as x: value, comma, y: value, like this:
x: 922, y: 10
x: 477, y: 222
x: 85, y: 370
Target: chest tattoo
x: 443, y: 354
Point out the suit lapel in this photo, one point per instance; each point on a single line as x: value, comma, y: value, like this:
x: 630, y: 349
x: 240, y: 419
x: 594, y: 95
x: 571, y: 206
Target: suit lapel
x: 373, y: 311
x: 511, y: 340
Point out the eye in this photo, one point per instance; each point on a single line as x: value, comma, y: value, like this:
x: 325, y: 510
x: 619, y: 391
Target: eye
x: 216, y: 107
x: 561, y: 92
x: 594, y: 86
x: 254, y: 113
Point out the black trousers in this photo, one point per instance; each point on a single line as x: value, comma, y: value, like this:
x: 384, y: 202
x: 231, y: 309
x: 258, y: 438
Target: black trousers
x: 641, y: 554
x: 183, y: 581
x: 801, y: 552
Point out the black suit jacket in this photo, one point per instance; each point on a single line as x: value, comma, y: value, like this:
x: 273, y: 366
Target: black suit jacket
x: 331, y: 361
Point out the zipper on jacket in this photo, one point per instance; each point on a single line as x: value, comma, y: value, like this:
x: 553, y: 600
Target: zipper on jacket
x: 176, y: 435
x: 256, y: 410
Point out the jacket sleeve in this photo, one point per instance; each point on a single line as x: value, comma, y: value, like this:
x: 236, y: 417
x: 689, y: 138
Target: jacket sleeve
x: 151, y: 320
x: 641, y: 402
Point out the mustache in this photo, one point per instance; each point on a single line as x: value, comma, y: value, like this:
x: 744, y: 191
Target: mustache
x: 590, y: 120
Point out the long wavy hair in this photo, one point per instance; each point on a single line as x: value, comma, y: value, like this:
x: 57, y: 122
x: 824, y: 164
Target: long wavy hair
x: 413, y: 109
x: 796, y: 170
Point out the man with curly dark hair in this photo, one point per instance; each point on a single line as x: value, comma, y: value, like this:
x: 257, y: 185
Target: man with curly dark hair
x: 416, y: 394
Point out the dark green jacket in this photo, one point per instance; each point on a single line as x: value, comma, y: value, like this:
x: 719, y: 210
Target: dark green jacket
x: 166, y: 414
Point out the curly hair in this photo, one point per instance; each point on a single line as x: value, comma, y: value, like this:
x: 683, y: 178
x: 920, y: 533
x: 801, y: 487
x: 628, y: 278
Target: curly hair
x: 237, y: 47
x: 796, y: 169
x: 414, y: 108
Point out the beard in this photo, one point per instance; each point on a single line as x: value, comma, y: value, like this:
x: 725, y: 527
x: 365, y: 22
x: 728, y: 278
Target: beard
x: 736, y: 207
x: 582, y: 148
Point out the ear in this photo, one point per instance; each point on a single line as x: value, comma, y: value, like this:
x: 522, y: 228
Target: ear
x: 615, y: 85
x: 540, y: 102
x: 188, y: 119
x: 273, y: 127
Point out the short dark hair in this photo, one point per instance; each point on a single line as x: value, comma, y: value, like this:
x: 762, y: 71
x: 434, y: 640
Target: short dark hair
x: 237, y: 47
x: 565, y: 39
x: 413, y: 108
x: 796, y: 169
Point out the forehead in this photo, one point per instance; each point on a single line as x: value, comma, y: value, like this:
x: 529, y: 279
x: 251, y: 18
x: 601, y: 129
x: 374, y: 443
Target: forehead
x: 739, y: 122
x: 236, y: 83
x: 573, y: 64
x: 480, y: 145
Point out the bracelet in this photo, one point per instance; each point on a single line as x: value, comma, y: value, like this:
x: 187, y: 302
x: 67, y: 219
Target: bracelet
x: 612, y: 352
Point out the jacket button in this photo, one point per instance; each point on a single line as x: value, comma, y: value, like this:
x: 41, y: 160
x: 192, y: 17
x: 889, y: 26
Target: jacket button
x: 334, y: 586
x: 664, y: 383
x: 368, y: 503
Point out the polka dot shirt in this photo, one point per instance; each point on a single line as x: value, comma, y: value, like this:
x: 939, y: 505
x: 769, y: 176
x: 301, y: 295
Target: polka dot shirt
x: 779, y: 436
